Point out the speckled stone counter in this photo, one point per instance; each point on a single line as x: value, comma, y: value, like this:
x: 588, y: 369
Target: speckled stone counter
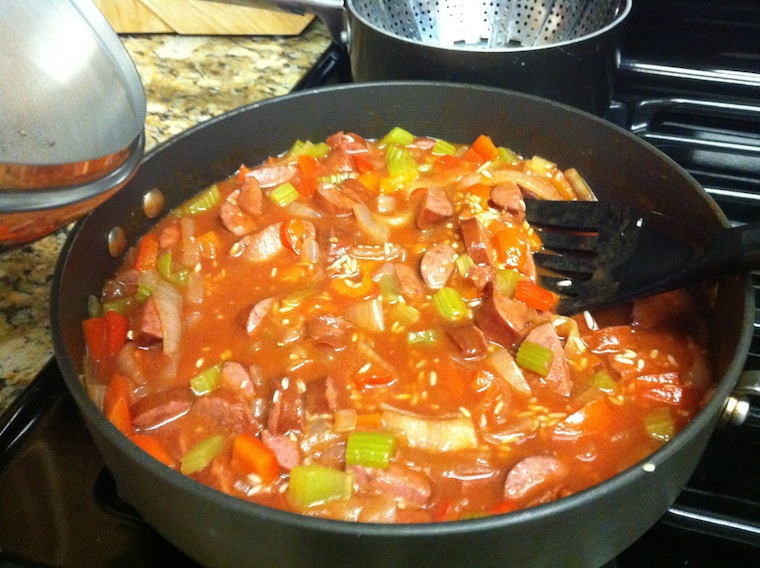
x: 187, y: 79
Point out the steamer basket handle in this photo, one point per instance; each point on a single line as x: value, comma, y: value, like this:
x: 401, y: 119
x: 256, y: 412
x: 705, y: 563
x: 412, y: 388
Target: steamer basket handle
x: 331, y: 12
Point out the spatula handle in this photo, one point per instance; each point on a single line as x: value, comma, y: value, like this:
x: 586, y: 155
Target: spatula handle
x: 731, y: 251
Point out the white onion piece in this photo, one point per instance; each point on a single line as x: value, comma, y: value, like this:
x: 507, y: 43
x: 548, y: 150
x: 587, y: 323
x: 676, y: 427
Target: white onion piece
x: 310, y: 250
x: 504, y: 364
x: 385, y: 203
x: 191, y: 250
x: 375, y: 230
x: 194, y: 289
x: 436, y: 434
x: 534, y: 185
x: 169, y: 305
x: 367, y: 314
x: 298, y: 209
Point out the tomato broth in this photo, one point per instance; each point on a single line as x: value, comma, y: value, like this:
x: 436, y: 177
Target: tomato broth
x: 355, y: 329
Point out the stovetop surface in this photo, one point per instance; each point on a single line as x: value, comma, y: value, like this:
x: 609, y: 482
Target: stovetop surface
x: 58, y: 504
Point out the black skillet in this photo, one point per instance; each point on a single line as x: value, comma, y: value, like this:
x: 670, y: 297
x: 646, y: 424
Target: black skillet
x: 584, y: 530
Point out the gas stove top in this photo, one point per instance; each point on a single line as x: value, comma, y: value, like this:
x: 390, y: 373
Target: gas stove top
x: 688, y: 83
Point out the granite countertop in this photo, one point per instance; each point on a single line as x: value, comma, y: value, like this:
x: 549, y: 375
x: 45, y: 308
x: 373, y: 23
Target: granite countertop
x: 187, y: 80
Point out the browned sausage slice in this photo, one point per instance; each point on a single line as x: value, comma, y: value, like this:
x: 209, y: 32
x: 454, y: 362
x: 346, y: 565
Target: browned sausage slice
x: 558, y: 377
x: 160, y: 408
x: 435, y: 208
x: 533, y: 476
x: 477, y: 241
x: 436, y: 265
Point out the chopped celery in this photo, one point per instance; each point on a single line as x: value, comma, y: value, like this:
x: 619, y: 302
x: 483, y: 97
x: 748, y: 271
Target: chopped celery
x: 389, y: 288
x: 404, y: 314
x: 423, y: 337
x: 370, y: 449
x: 119, y: 305
x: 338, y: 177
x: 301, y: 147
x: 94, y: 307
x: 401, y: 164
x: 284, y: 194
x: 399, y: 136
x: 603, y: 382
x: 506, y: 280
x: 659, y: 424
x: 443, y: 147
x: 143, y: 292
x: 534, y: 357
x: 508, y: 156
x: 207, y: 380
x: 164, y: 265
x: 450, y: 304
x: 204, y: 201
x: 200, y: 456
x: 314, y: 484
x: 464, y: 262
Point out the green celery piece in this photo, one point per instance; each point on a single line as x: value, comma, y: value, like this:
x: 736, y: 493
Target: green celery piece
x: 207, y: 380
x: 604, y: 382
x: 423, y: 337
x: 659, y: 424
x: 200, y: 456
x: 463, y: 263
x: 370, y: 449
x: 450, y: 304
x: 443, y: 147
x: 284, y: 194
x: 94, y: 307
x: 404, y: 314
x: 534, y: 357
x: 204, y: 201
x: 314, y: 484
x: 399, y: 136
x: 506, y: 281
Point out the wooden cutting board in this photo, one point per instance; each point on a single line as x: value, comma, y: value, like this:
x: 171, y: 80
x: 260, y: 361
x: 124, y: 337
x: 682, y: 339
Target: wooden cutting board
x: 198, y: 17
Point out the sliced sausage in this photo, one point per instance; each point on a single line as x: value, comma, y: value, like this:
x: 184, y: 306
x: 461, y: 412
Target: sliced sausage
x: 558, y: 378
x: 146, y: 324
x: 501, y: 318
x: 477, y: 241
x: 286, y: 410
x: 320, y: 397
x: 333, y: 331
x: 271, y: 176
x: 409, y: 281
x: 261, y: 246
x: 285, y: 449
x: 435, y: 208
x: 508, y: 196
x: 470, y: 339
x: 251, y: 197
x: 333, y: 201
x: 233, y: 218
x: 161, y: 408
x: 349, y: 142
x: 235, y: 377
x: 226, y: 410
x: 436, y: 265
x: 257, y: 314
x: 407, y: 487
x: 534, y: 477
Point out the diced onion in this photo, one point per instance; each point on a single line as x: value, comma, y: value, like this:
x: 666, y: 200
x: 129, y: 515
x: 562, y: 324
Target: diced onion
x: 535, y: 185
x: 368, y: 314
x: 436, y: 434
x: 374, y: 229
x: 501, y: 361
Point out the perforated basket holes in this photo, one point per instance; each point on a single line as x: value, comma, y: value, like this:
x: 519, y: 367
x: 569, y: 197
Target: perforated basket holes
x: 487, y: 24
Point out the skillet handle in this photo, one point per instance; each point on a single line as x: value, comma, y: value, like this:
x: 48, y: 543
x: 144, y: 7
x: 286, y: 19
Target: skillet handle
x: 743, y: 406
x: 732, y: 250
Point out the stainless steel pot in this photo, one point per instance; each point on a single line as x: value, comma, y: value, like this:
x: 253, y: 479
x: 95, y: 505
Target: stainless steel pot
x: 584, y: 530
x: 564, y: 50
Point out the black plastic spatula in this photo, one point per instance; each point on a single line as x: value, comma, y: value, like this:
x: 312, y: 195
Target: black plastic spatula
x: 598, y: 253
